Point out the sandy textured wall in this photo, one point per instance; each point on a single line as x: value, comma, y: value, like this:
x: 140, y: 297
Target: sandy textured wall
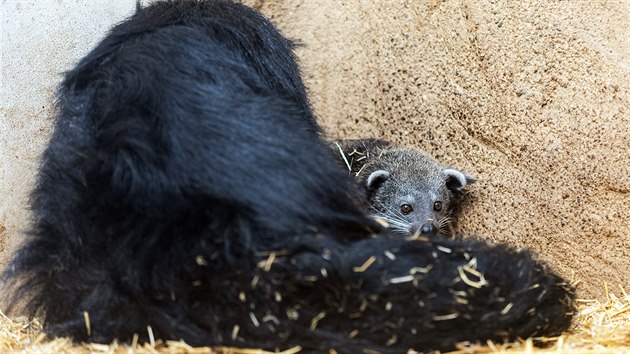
x: 532, y: 97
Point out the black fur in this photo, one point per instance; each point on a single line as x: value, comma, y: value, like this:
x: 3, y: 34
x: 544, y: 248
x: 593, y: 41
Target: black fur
x: 173, y: 195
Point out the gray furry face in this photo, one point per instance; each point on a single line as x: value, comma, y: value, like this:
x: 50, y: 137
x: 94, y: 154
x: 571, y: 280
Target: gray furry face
x: 414, y: 193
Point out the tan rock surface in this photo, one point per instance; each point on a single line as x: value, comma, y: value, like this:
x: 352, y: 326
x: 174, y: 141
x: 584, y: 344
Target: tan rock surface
x: 532, y: 97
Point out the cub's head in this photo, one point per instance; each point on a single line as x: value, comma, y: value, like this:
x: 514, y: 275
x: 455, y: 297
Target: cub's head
x: 412, y: 192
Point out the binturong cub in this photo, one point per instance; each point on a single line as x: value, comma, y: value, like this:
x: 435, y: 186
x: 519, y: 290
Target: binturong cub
x: 412, y: 192
x: 171, y: 203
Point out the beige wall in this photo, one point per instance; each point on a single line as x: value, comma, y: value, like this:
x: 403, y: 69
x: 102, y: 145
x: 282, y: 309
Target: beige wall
x: 40, y: 39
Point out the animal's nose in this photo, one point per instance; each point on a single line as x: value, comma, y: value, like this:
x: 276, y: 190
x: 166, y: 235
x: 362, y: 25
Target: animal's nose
x: 428, y: 229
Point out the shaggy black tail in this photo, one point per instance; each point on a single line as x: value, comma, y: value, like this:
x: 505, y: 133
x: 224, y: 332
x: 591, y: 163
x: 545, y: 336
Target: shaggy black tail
x: 424, y: 294
x: 185, y: 189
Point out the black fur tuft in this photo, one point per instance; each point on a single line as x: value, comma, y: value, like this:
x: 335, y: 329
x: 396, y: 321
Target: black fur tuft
x: 173, y: 195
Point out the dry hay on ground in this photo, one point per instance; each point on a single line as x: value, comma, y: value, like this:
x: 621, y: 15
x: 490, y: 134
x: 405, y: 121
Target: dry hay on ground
x: 600, y: 328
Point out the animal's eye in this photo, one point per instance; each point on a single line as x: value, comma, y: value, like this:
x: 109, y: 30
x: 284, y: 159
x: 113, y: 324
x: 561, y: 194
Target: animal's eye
x: 437, y: 206
x: 406, y: 209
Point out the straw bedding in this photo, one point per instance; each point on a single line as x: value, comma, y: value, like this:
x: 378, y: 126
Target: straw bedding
x: 600, y: 327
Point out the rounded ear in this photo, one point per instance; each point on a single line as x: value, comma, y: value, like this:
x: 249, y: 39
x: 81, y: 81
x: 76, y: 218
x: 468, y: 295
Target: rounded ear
x: 457, y: 180
x: 376, y: 178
